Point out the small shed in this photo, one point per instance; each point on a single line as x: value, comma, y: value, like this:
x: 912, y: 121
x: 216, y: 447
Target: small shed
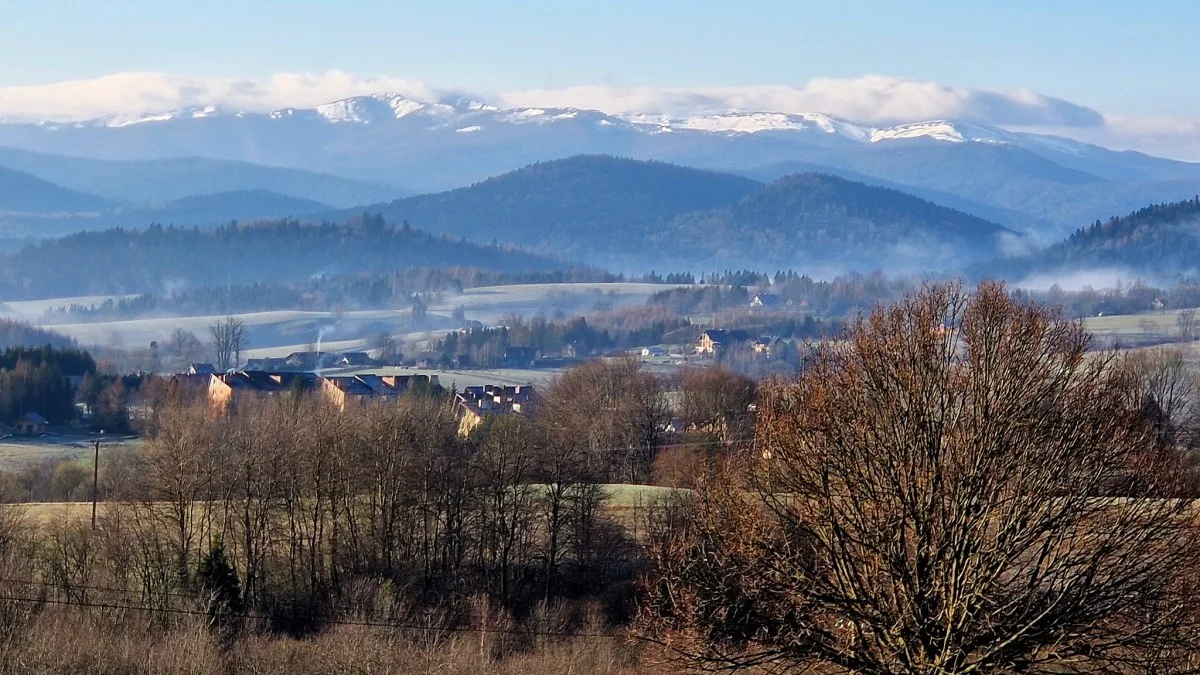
x: 29, y: 424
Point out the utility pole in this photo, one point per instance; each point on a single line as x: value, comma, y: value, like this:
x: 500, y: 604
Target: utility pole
x: 96, y: 475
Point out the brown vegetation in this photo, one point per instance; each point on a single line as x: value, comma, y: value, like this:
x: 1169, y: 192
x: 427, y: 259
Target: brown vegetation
x: 930, y: 496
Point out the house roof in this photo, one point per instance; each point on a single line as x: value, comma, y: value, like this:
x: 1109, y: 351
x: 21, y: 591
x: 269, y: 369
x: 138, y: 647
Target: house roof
x: 31, y: 417
x: 355, y: 358
x: 351, y: 385
x: 721, y: 335
x: 201, y: 369
x: 254, y: 380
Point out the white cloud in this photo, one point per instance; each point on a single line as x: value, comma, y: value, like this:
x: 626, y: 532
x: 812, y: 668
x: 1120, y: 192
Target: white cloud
x: 870, y: 99
x: 149, y: 92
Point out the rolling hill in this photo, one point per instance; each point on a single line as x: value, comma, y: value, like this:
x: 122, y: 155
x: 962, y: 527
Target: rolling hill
x: 596, y: 208
x: 157, y: 259
x: 635, y: 215
x: 821, y: 222
x: 23, y: 193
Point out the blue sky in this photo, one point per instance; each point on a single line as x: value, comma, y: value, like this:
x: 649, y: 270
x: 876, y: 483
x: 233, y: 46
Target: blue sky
x: 1125, y: 58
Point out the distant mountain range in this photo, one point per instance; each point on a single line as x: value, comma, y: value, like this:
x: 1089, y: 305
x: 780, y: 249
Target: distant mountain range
x: 32, y: 208
x: 634, y: 215
x: 21, y: 192
x: 44, y: 195
x: 1042, y: 185
x: 155, y: 181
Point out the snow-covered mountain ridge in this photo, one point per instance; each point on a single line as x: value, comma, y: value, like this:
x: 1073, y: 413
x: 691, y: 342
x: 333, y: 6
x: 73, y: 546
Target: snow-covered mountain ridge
x: 475, y: 117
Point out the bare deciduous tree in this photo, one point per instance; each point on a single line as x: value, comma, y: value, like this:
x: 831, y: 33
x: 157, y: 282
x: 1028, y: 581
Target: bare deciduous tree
x: 1186, y: 320
x: 932, y: 496
x: 717, y: 400
x: 228, y: 340
x: 615, y: 410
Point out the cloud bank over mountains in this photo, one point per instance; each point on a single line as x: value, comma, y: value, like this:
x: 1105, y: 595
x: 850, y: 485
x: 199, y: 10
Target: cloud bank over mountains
x: 870, y: 99
x: 874, y: 99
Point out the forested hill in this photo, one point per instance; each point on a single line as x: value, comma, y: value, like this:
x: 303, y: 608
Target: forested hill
x: 636, y: 215
x: 129, y: 261
x: 593, y: 205
x: 1159, y: 241
x: 819, y: 220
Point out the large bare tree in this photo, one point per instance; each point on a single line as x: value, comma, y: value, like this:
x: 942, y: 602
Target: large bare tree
x: 228, y: 340
x: 934, y: 495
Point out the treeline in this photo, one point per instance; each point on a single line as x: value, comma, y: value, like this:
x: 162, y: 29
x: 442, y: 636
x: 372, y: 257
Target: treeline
x: 152, y: 260
x: 578, y: 336
x: 390, y: 290
x: 1132, y: 298
x: 842, y: 296
x: 23, y: 334
x: 35, y: 381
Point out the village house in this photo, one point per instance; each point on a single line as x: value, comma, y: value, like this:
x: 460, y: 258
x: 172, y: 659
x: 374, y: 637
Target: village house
x: 360, y: 359
x: 342, y: 390
x: 477, y: 403
x: 29, y: 424
x: 656, y: 350
x: 765, y: 300
x: 768, y: 345
x: 519, y: 357
x: 201, y: 369
x: 714, y: 340
x: 225, y: 389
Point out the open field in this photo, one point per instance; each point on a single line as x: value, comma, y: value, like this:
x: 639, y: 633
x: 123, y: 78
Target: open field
x: 280, y: 332
x: 622, y: 499
x: 16, y: 451
x: 1140, y: 328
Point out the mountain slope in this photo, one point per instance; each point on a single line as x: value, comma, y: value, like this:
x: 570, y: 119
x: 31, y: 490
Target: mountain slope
x: 825, y: 222
x: 21, y: 192
x: 1159, y: 242
x: 591, y: 207
x: 162, y: 180
x: 126, y: 261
